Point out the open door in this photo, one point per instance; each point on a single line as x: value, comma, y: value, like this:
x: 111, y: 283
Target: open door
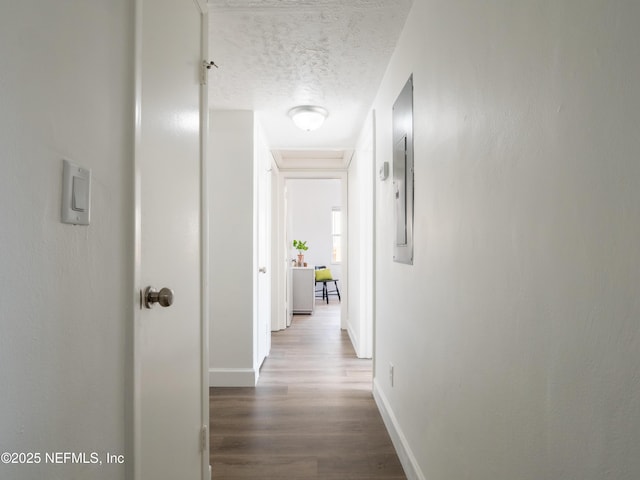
x: 170, y: 423
x: 263, y: 231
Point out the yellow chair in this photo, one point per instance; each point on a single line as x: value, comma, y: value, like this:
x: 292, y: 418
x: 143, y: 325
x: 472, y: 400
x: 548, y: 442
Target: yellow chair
x: 323, y: 276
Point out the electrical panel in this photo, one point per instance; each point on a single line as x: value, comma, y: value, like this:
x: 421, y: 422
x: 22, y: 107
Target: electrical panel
x: 403, y: 174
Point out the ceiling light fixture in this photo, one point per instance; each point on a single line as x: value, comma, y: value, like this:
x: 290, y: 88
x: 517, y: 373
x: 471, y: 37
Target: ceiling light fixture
x: 308, y: 117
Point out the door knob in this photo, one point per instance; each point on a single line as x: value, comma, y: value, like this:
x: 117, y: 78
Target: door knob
x: 262, y: 269
x: 164, y: 297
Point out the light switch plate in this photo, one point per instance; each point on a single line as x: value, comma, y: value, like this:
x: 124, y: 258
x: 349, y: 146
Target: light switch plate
x: 76, y: 194
x: 384, y: 171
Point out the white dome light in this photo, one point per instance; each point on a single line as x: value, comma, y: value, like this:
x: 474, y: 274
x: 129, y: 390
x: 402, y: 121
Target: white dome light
x: 308, y: 117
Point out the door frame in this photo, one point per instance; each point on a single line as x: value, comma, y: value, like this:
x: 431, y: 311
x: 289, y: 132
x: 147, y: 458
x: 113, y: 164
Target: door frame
x: 263, y: 181
x: 204, y: 239
x: 279, y: 237
x: 132, y: 413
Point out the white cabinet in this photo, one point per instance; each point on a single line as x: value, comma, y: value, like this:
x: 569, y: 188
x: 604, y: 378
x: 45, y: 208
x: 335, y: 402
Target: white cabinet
x: 303, y: 280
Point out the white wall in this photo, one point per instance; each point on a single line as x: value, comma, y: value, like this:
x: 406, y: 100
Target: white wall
x: 361, y: 233
x: 310, y: 203
x: 515, y: 333
x: 231, y: 187
x: 237, y: 150
x: 66, y: 87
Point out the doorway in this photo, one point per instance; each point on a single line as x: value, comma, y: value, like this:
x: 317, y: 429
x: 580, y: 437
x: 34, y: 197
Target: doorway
x: 307, y: 203
x: 355, y: 171
x: 314, y: 217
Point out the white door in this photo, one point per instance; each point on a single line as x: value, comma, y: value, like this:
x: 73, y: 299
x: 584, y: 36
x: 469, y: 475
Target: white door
x: 168, y: 349
x: 263, y: 196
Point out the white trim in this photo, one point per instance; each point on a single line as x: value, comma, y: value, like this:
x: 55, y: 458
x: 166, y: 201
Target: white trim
x: 134, y: 430
x: 354, y: 340
x: 371, y: 334
x: 204, y: 244
x: 203, y: 6
x: 344, y: 307
x: 233, y: 377
x: 288, y: 160
x: 279, y: 263
x: 333, y: 234
x: 369, y: 321
x: 405, y: 454
x: 359, y: 344
x: 343, y: 176
x: 362, y: 267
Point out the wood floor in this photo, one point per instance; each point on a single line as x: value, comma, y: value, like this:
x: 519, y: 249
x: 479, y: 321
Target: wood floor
x: 312, y: 415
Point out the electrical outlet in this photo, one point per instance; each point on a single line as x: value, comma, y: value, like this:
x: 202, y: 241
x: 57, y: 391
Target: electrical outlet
x: 391, y: 373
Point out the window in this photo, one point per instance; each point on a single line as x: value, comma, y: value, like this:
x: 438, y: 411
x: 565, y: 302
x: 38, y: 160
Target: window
x: 336, y: 233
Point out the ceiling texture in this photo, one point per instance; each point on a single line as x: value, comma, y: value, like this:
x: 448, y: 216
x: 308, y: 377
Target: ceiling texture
x: 276, y: 54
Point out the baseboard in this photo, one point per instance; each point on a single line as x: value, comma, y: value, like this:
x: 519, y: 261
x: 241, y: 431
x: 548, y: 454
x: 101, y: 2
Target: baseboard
x: 232, y: 377
x: 354, y: 339
x: 405, y: 454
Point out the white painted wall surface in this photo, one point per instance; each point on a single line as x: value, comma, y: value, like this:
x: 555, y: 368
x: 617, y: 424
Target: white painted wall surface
x: 66, y: 91
x: 515, y: 334
x: 361, y: 223
x: 231, y: 191
x: 310, y: 204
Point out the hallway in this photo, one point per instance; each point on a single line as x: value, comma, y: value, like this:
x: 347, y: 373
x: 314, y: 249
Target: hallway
x: 312, y: 415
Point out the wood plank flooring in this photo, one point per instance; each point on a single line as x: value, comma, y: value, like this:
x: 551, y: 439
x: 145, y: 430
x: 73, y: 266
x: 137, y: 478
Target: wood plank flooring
x: 312, y: 415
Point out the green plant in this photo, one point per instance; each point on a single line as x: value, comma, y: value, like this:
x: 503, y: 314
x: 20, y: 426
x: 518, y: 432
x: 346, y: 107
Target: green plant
x: 300, y: 246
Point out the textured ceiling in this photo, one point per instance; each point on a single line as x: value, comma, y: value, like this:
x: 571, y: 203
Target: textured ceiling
x: 274, y: 55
